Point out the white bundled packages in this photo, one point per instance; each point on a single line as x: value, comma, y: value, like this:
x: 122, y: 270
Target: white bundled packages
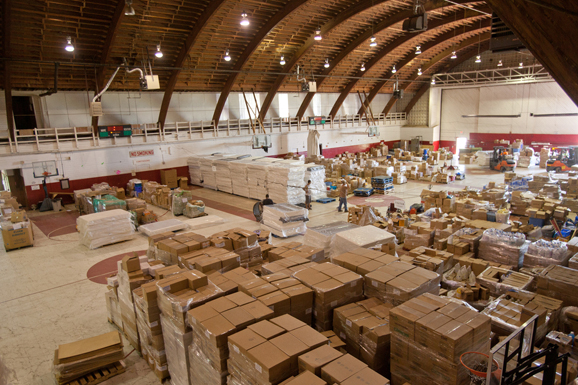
x: 105, y: 228
x: 483, y: 158
x: 323, y: 236
x: 546, y: 253
x: 285, y: 181
x: 316, y: 174
x: 257, y: 173
x: 195, y: 176
x: 209, y: 170
x: 162, y: 227
x: 364, y: 236
x: 238, y: 171
x: 223, y: 172
x: 285, y: 220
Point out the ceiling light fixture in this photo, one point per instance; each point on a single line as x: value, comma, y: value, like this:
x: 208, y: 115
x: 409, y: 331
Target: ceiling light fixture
x: 362, y: 67
x: 326, y: 65
x: 419, y: 71
x: 318, y: 34
x: 418, y: 50
x: 454, y: 56
x: 393, y: 70
x: 478, y: 59
x: 521, y: 65
x: 227, y: 56
x: 69, y: 47
x: 244, y: 21
x: 159, y: 53
x: 433, y: 81
x: 282, y: 61
x: 500, y: 63
x: 373, y: 42
x: 128, y: 9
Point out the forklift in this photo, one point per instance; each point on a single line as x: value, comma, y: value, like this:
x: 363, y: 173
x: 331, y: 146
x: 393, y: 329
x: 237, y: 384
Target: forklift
x: 563, y: 160
x: 499, y: 161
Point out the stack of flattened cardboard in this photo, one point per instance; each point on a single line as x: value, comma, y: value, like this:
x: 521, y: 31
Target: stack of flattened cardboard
x: 212, y: 323
x: 267, y: 352
x: 334, y: 286
x: 365, y: 328
x: 398, y: 282
x: 428, y: 336
x: 76, y: 359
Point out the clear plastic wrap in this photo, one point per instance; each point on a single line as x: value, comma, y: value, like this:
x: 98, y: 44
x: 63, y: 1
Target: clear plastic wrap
x: 107, y: 203
x: 162, y: 227
x: 105, y: 228
x: 323, y: 236
x: 113, y: 308
x: 503, y: 247
x: 285, y: 181
x: 194, y: 209
x: 180, y: 201
x: 546, y: 253
x: 287, y: 230
x: 506, y: 313
x: 316, y: 174
x: 195, y: 170
x: 176, y: 346
x: 285, y: 220
x: 201, y: 370
x: 365, y: 236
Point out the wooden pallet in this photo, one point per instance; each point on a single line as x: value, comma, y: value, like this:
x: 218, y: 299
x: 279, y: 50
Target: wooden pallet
x: 99, y: 375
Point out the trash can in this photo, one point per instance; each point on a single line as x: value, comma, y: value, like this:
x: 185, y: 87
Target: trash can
x: 56, y: 204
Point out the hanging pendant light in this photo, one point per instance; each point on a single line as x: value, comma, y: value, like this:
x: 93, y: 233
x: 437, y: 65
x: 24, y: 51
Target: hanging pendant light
x: 373, y: 42
x: 159, y: 53
x: 454, y: 56
x: 128, y: 9
x: 282, y: 61
x: 419, y: 71
x: 393, y: 70
x: 362, y: 69
x: 227, y: 57
x: 500, y: 63
x: 478, y: 59
x: 244, y: 21
x: 418, y: 50
x: 326, y: 65
x: 69, y: 47
x: 318, y: 36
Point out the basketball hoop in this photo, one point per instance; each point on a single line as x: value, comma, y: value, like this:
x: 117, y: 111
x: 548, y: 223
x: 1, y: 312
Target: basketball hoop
x: 45, y: 173
x: 477, y: 364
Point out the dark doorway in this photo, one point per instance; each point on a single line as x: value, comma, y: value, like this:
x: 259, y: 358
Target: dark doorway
x: 24, y: 116
x: 17, y: 187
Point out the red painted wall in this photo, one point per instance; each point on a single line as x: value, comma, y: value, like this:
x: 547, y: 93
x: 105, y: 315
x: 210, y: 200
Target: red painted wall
x: 486, y: 141
x: 35, y: 196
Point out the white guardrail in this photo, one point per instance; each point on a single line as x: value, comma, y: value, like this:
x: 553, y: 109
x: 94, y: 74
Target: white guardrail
x: 82, y: 138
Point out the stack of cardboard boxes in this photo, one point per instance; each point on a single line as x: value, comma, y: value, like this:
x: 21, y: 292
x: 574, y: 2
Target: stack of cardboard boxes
x: 212, y: 323
x: 334, y: 286
x: 428, y: 336
x: 268, y: 352
x: 242, y: 242
x: 559, y: 282
x: 363, y: 261
x: 169, y: 178
x: 364, y: 326
x: 544, y: 155
x: 398, y: 282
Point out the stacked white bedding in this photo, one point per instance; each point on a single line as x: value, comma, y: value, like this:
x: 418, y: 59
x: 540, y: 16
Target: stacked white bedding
x: 364, y: 236
x: 285, y: 220
x: 238, y: 171
x: 257, y: 177
x: 195, y: 175
x: 105, y: 228
x: 323, y: 236
x: 285, y: 181
x: 316, y: 174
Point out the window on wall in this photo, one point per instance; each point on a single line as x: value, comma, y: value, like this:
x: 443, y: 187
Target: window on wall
x: 283, y: 105
x: 316, y: 105
x: 24, y: 115
x: 252, y: 104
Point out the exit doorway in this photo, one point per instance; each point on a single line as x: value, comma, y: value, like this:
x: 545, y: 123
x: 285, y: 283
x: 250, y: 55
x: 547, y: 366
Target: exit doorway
x: 461, y: 143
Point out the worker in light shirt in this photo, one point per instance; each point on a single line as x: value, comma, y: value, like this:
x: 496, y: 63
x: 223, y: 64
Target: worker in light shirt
x: 343, y: 190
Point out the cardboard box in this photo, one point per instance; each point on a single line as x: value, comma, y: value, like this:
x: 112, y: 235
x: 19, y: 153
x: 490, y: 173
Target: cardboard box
x: 341, y: 369
x: 271, y: 364
x: 169, y: 178
x: 314, y: 360
x: 18, y: 237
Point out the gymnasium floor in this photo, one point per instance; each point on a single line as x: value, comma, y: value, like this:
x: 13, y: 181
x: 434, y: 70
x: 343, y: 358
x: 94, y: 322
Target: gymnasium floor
x: 48, y: 299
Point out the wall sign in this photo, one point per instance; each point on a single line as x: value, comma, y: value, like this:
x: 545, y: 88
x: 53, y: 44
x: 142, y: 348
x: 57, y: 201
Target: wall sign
x: 138, y: 153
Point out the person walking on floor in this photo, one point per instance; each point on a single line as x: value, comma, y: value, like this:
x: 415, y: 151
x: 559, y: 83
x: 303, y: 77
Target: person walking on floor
x: 307, y: 190
x: 267, y: 201
x: 343, y: 190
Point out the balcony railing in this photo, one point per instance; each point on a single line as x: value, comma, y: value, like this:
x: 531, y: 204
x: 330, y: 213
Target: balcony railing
x: 82, y: 138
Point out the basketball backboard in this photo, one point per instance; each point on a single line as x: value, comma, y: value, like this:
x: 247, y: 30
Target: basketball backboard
x: 44, y: 169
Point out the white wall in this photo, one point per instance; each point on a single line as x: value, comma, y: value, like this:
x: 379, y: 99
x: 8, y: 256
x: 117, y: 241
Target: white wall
x: 110, y: 161
x: 539, y: 98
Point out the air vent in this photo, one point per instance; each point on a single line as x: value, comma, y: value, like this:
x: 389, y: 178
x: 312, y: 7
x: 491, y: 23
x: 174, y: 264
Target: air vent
x: 502, y: 38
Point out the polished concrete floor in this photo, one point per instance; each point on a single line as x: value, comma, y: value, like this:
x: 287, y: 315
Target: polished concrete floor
x: 47, y: 298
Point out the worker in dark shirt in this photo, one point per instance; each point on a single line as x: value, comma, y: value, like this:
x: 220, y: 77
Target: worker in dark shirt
x: 267, y: 201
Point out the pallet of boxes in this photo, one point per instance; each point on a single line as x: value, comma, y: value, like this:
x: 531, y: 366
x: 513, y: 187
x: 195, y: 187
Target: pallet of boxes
x: 16, y: 228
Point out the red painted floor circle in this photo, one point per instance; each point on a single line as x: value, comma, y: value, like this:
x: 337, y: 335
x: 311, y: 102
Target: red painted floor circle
x: 105, y: 268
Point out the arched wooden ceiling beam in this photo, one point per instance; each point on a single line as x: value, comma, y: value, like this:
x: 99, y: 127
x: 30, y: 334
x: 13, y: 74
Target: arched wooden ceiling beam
x: 211, y: 9
x: 399, y: 65
x: 462, y: 57
x: 326, y: 28
x: 548, y: 29
x: 471, y: 41
x: 253, y: 45
x: 386, y: 49
x: 107, y: 50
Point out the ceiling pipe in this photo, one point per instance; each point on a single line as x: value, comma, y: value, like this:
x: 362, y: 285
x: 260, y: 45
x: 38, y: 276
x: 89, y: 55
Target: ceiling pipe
x: 55, y: 89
